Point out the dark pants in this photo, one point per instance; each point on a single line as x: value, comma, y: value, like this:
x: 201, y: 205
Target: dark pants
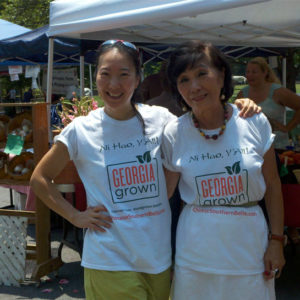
x: 175, y: 204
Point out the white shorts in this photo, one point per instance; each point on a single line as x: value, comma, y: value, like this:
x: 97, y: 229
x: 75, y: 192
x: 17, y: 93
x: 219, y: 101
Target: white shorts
x: 193, y: 285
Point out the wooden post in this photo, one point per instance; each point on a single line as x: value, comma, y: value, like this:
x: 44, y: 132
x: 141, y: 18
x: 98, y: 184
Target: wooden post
x: 40, y: 145
x: 45, y: 264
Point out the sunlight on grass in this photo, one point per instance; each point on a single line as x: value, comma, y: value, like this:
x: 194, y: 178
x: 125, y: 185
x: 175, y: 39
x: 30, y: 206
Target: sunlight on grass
x: 236, y: 90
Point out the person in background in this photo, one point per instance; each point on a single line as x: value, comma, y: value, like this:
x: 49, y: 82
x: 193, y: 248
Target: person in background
x: 165, y: 99
x: 10, y: 98
x: 28, y: 95
x: 117, y: 152
x: 225, y: 164
x: 55, y: 119
x: 264, y: 88
x: 12, y: 94
x: 152, y: 85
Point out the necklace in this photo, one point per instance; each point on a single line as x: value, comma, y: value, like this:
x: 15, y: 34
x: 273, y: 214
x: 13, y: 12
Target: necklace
x: 222, y: 128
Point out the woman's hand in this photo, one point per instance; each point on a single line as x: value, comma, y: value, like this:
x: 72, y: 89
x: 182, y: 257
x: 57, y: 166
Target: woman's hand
x: 247, y: 107
x: 95, y: 218
x: 273, y: 260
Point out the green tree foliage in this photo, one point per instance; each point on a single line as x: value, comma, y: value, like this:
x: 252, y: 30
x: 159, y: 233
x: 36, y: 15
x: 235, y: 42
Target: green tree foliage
x: 28, y: 13
x: 152, y: 68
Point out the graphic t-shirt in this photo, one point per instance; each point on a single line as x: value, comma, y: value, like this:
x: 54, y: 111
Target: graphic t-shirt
x: 215, y: 233
x: 121, y: 168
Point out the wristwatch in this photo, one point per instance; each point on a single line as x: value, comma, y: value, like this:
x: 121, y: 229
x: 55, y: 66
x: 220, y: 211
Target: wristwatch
x: 282, y: 238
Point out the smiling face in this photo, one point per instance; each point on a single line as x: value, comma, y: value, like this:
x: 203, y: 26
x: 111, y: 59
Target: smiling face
x: 200, y: 86
x: 254, y: 74
x: 116, y: 82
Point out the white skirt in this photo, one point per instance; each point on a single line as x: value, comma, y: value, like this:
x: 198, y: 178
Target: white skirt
x: 193, y: 285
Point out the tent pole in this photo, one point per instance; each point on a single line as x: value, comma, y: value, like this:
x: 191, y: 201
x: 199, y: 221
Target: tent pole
x: 284, y: 71
x: 81, y: 76
x: 91, y: 80
x: 50, y: 69
x: 49, y: 84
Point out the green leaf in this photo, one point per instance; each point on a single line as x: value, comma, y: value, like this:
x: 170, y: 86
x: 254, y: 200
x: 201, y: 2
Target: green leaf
x: 236, y: 167
x: 140, y: 159
x: 229, y: 170
x: 67, y: 102
x: 147, y: 156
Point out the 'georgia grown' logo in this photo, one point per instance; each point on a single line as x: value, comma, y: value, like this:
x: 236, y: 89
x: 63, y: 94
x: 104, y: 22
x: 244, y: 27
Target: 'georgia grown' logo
x: 134, y: 180
x: 224, y: 188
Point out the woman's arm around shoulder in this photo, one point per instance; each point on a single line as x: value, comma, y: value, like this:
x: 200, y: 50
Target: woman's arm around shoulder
x: 246, y: 106
x: 240, y: 94
x: 42, y: 184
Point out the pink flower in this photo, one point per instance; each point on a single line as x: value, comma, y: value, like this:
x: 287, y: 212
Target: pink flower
x: 94, y: 104
x: 76, y: 107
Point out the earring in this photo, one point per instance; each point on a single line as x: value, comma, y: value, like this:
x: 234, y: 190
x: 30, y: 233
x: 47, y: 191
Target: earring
x: 222, y: 97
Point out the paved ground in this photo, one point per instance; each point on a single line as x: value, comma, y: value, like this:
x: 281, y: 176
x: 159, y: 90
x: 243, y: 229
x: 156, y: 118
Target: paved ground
x: 51, y: 287
x: 67, y: 285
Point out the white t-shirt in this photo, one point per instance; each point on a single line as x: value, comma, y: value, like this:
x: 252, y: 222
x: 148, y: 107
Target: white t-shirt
x: 122, y: 169
x: 212, y: 237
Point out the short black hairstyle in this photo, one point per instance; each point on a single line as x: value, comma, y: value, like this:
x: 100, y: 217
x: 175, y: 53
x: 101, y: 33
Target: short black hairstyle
x: 187, y: 55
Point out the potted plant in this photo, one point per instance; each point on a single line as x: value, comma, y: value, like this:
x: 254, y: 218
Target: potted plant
x: 70, y: 109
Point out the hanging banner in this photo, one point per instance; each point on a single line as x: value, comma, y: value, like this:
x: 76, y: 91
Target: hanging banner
x: 32, y: 71
x: 12, y: 70
x: 61, y: 81
x: 14, y: 77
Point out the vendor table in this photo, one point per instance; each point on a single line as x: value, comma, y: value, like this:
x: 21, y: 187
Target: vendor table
x: 23, y: 189
x: 79, y: 203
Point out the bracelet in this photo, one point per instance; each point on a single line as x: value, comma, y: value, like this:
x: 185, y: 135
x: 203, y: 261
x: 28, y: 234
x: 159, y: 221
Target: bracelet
x: 282, y: 238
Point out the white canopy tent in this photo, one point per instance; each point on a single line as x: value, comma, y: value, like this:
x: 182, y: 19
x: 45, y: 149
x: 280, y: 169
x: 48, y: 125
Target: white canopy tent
x: 222, y: 22
x: 263, y: 23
